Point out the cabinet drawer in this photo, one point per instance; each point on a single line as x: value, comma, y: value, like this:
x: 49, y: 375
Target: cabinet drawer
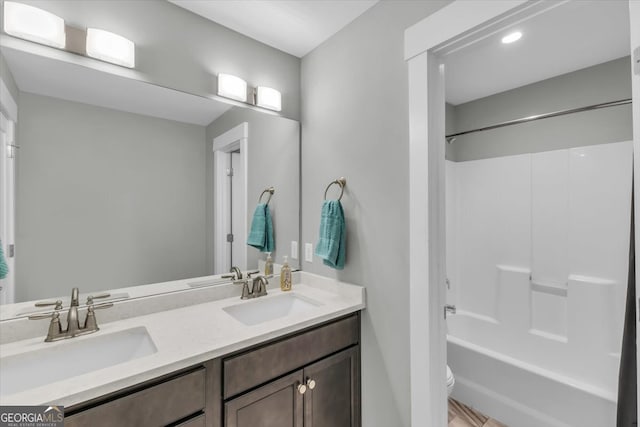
x: 194, y: 422
x: 258, y: 366
x: 158, y: 405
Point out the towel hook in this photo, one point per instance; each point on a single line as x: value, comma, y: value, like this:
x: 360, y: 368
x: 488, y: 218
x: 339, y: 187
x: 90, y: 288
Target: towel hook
x: 269, y: 190
x: 342, y: 182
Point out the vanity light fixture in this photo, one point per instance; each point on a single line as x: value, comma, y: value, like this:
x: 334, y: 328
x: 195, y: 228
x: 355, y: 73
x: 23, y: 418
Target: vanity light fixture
x: 512, y: 37
x: 269, y: 98
x: 34, y: 24
x: 110, y: 47
x: 232, y: 87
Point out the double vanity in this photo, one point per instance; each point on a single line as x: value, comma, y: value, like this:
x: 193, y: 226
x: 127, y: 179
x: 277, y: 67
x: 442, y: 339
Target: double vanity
x: 286, y: 359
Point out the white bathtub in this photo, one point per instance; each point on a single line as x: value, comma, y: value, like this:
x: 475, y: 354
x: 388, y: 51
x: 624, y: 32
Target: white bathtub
x: 520, y: 393
x: 537, y: 262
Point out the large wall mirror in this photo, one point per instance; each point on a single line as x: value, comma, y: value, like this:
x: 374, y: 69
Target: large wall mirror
x: 118, y: 184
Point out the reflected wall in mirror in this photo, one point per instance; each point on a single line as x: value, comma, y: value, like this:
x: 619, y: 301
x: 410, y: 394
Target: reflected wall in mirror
x: 115, y: 180
x: 271, y: 161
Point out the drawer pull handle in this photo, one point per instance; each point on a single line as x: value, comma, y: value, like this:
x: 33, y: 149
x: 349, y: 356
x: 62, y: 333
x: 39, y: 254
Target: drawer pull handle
x: 311, y: 384
x: 302, y: 389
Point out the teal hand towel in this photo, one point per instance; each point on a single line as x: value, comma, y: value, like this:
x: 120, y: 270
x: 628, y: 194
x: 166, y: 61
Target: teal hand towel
x: 4, y: 268
x: 261, y: 233
x: 331, y: 246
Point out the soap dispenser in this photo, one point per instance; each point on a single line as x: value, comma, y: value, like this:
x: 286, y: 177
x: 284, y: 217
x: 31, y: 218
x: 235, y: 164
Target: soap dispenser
x: 268, y: 265
x: 285, y: 275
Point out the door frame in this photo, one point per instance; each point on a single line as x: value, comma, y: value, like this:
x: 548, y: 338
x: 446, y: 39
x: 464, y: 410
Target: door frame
x: 232, y: 140
x: 634, y: 25
x: 450, y: 28
x: 8, y: 120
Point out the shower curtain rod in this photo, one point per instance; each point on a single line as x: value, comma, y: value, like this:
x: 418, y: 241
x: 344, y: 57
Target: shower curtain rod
x: 452, y: 136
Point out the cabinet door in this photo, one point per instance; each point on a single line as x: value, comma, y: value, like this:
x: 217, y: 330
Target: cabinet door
x: 335, y: 399
x: 276, y: 404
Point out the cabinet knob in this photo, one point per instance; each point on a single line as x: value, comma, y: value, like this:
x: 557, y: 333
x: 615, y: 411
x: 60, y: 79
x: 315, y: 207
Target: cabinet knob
x: 302, y: 389
x: 311, y: 384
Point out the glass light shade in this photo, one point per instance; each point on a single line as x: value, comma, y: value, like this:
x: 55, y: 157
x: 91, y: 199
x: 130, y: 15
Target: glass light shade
x: 267, y: 97
x: 111, y: 47
x: 30, y: 23
x: 232, y: 87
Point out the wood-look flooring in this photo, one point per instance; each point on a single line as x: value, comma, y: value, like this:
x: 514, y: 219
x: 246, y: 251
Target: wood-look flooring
x: 460, y: 415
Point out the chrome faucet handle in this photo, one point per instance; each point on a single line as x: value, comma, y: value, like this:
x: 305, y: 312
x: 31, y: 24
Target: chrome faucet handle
x: 101, y: 305
x: 249, y: 273
x: 58, y: 304
x: 90, y: 298
x: 90, y: 323
x: 55, y: 328
x: 48, y: 315
x: 246, y: 292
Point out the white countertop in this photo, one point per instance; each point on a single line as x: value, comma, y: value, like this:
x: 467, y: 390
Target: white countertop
x: 185, y: 337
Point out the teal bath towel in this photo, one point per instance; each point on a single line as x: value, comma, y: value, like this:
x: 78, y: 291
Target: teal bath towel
x: 333, y: 235
x: 261, y: 233
x: 4, y: 269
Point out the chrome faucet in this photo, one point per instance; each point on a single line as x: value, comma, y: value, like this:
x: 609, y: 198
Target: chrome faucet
x: 236, y: 274
x: 258, y: 286
x: 73, y: 329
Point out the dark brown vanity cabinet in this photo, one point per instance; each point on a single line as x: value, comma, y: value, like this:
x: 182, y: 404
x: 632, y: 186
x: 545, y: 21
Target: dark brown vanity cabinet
x: 276, y: 404
x: 178, y: 399
x: 324, y: 394
x: 307, y: 379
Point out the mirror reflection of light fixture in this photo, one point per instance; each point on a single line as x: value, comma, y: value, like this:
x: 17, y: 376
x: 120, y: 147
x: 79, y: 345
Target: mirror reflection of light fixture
x: 111, y: 47
x: 512, y: 37
x: 232, y: 87
x: 37, y: 25
x: 267, y: 97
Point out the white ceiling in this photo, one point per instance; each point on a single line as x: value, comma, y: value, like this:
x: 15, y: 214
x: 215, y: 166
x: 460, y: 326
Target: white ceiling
x: 293, y: 26
x: 569, y: 37
x: 74, y: 82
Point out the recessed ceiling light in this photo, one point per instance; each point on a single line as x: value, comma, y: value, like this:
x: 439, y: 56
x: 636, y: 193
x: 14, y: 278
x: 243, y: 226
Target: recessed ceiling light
x: 512, y: 37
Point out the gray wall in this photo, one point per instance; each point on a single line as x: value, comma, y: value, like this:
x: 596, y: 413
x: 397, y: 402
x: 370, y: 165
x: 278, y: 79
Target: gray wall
x: 355, y: 123
x: 605, y: 82
x: 179, y: 49
x: 7, y: 77
x: 106, y: 199
x: 274, y: 160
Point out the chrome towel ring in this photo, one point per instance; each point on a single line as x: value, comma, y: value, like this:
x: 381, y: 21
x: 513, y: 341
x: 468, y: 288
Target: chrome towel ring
x: 269, y: 190
x: 342, y: 182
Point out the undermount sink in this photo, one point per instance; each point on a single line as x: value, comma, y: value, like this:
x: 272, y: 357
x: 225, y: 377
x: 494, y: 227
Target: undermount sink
x: 72, y: 357
x: 264, y: 309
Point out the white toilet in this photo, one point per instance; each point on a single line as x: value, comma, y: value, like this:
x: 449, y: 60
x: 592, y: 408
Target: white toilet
x: 450, y: 381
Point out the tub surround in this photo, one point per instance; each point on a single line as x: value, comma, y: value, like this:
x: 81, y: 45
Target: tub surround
x: 538, y: 269
x: 184, y: 337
